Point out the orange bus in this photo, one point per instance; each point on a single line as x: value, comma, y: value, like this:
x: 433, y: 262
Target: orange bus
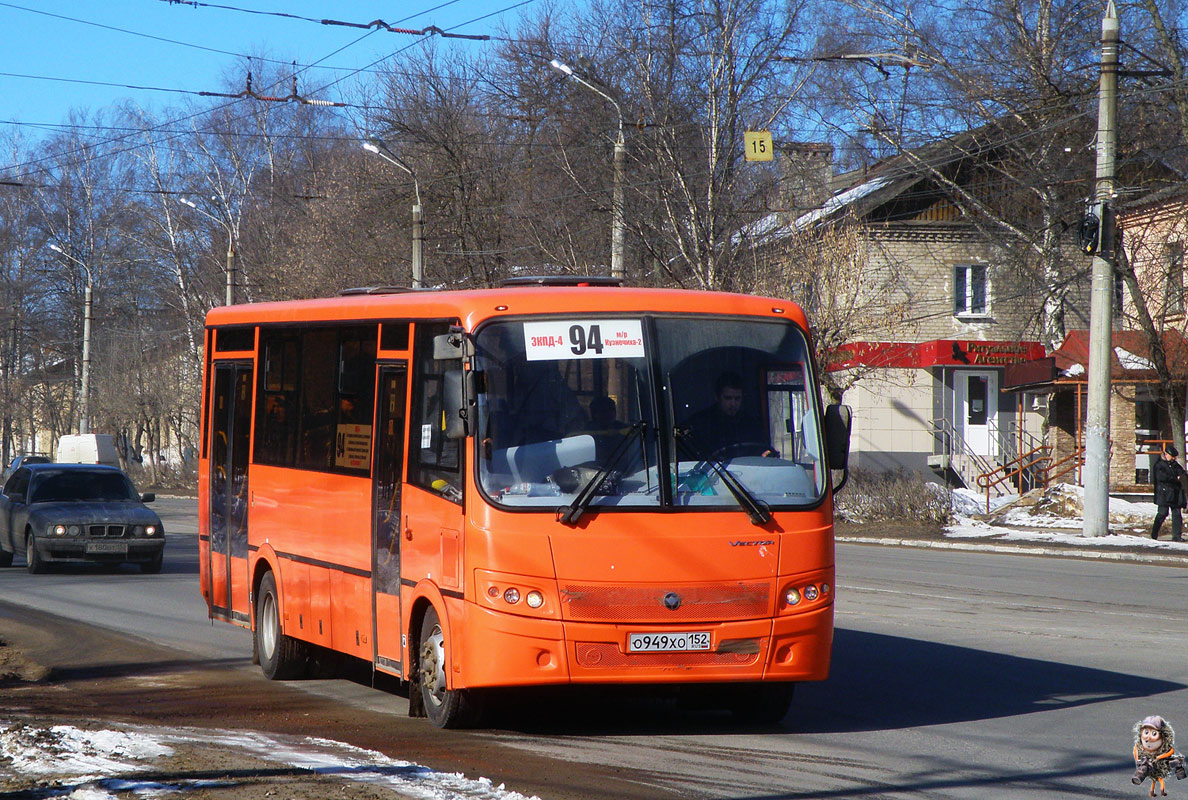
x: 551, y: 482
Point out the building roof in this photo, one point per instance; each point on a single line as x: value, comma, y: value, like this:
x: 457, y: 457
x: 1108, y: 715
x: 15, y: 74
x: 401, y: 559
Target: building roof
x: 1130, y: 361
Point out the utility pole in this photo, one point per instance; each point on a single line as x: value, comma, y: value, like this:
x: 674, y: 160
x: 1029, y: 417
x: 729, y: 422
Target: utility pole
x: 1097, y: 428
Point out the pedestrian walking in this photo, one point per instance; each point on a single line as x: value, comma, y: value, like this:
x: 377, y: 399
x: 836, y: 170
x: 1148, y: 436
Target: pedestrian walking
x: 1169, y: 492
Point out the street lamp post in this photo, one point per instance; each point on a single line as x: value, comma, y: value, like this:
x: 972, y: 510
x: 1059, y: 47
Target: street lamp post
x: 620, y: 157
x: 377, y: 146
x: 84, y: 391
x: 230, y: 294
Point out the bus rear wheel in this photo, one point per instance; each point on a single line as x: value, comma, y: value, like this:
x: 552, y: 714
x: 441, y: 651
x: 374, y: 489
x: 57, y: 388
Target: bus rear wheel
x: 445, y: 708
x: 281, y: 657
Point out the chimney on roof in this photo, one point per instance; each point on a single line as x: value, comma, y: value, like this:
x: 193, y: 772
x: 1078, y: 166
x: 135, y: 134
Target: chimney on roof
x: 805, y: 175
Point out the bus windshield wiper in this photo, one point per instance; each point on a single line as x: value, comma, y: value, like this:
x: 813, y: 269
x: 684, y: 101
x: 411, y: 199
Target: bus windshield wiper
x: 756, y: 509
x: 570, y: 514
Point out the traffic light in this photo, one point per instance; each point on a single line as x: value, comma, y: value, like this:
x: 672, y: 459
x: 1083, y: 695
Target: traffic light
x: 1090, y: 233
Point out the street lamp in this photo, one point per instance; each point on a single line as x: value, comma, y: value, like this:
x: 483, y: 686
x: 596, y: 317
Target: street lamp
x: 619, y: 159
x: 230, y: 246
x: 377, y: 146
x: 84, y: 400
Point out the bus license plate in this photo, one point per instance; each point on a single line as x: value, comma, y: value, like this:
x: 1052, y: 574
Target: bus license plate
x: 668, y: 641
x: 107, y: 547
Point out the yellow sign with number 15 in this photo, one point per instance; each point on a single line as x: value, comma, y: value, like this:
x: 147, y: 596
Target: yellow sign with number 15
x: 758, y: 145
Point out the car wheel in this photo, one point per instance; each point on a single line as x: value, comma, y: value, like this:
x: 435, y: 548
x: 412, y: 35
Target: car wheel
x: 152, y: 566
x: 445, y: 708
x: 5, y: 558
x: 281, y: 657
x: 33, y: 560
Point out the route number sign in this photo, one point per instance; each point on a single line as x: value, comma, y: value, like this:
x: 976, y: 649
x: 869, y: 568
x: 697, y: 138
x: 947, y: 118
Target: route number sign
x: 575, y: 338
x: 758, y: 145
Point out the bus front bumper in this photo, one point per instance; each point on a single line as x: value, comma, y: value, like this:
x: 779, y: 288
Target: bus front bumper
x: 507, y: 650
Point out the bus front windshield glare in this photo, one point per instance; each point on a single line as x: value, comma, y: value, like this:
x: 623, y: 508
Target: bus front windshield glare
x: 719, y: 413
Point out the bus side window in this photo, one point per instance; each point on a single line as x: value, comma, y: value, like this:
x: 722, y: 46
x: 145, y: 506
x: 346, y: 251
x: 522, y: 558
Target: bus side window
x: 434, y: 460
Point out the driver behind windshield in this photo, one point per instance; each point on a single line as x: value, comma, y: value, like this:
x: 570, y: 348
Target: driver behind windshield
x: 725, y: 429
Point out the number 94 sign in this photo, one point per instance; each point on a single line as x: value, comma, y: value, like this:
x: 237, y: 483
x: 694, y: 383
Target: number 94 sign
x: 573, y: 338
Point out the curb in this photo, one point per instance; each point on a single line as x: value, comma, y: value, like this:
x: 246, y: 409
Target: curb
x: 1142, y: 558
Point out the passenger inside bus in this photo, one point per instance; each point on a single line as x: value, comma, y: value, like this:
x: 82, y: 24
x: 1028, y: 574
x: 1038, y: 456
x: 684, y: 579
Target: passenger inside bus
x: 541, y: 407
x: 726, y: 429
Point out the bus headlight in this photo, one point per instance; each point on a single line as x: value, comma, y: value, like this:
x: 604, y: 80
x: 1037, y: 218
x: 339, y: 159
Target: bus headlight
x: 517, y: 594
x: 791, y: 595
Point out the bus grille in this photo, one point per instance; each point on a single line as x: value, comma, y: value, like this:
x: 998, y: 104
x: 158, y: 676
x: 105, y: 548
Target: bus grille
x: 715, y: 602
x: 607, y: 655
x: 109, y: 531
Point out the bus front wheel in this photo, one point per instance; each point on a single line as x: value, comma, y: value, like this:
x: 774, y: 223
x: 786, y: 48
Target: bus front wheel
x: 281, y: 657
x: 445, y: 708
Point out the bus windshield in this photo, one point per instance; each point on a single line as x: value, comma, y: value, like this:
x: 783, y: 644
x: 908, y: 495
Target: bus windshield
x: 688, y: 411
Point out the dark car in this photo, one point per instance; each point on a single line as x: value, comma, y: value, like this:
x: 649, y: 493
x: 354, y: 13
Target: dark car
x: 78, y: 512
x: 22, y: 461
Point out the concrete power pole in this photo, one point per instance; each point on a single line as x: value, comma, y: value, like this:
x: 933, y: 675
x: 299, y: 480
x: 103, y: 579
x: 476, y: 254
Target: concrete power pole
x: 1097, y: 428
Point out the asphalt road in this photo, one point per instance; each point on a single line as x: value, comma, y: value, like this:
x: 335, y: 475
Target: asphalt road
x: 955, y: 675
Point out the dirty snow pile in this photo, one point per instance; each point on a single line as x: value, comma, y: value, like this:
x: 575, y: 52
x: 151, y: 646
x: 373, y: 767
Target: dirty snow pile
x: 76, y: 764
x: 1055, y: 515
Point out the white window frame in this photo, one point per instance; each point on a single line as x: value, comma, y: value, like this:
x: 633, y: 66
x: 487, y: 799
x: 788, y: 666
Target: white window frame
x: 1173, y: 262
x: 963, y: 291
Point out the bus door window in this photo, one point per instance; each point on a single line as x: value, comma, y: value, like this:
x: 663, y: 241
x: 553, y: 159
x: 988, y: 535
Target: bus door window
x: 387, y: 523
x: 388, y: 473
x: 229, y: 478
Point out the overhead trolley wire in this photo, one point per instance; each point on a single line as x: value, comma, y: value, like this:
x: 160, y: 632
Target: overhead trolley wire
x: 378, y: 24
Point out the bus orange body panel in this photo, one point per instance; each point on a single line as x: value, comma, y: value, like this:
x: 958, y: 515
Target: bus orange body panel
x: 629, y: 486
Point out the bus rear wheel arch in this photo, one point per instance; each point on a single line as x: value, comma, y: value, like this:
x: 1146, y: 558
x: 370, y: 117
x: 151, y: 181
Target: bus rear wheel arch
x: 445, y: 707
x: 281, y: 657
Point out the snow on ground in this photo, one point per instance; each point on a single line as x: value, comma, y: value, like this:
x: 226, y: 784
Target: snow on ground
x: 1056, y: 517
x: 68, y: 762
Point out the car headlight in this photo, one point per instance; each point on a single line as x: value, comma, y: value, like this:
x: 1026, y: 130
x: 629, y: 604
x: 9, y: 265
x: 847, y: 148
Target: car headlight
x: 150, y: 530
x: 58, y: 530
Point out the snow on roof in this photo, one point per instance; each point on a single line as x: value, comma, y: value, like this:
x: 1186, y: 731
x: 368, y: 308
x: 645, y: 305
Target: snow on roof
x: 1129, y: 360
x: 840, y: 200
x: 771, y: 228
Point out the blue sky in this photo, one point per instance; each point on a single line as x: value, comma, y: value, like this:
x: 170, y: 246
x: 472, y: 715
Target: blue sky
x: 154, y: 43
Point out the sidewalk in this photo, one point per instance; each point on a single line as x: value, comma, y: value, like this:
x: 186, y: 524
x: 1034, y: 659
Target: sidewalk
x: 1039, y: 524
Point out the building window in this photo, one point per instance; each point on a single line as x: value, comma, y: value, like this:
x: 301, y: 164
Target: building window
x: 971, y: 290
x: 1174, y: 287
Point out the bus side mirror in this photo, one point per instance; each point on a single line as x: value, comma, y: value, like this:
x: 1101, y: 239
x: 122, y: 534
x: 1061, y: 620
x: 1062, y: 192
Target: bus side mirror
x: 459, y: 401
x: 454, y: 344
x: 838, y: 420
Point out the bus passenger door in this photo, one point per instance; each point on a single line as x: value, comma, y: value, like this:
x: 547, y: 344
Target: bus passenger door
x: 388, y: 474
x: 230, y: 431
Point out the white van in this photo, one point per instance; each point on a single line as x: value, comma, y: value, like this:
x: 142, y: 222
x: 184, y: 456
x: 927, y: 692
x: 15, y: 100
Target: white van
x: 88, y: 448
